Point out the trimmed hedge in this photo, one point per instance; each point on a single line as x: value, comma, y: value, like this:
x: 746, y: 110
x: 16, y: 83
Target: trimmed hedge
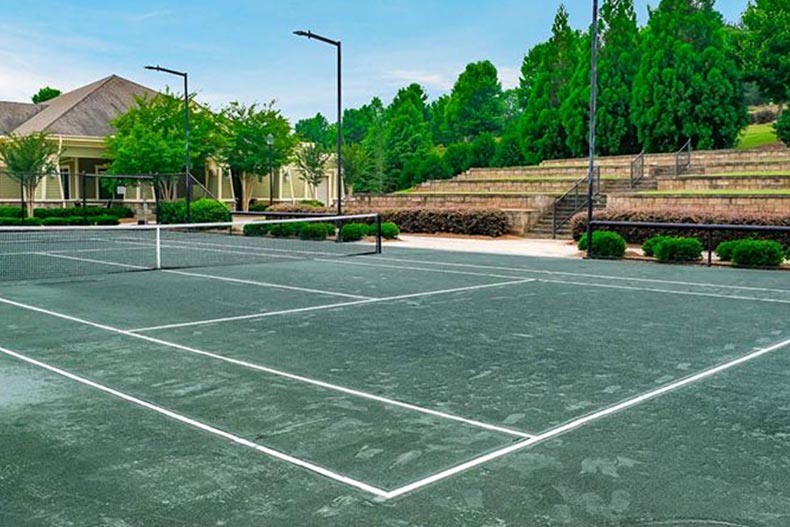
x: 606, y: 244
x: 639, y: 235
x: 204, y: 210
x: 314, y: 231
x: 352, y: 232
x: 11, y: 212
x: 649, y: 247
x: 70, y: 212
x: 724, y: 250
x: 757, y: 253
x: 678, y: 250
x: 25, y: 222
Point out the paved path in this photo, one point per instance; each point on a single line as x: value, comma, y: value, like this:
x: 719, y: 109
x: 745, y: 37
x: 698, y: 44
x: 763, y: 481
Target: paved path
x: 522, y: 246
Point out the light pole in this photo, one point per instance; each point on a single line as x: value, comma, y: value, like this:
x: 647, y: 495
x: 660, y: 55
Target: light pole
x: 339, y: 154
x: 270, y: 144
x: 593, y: 108
x: 187, y: 177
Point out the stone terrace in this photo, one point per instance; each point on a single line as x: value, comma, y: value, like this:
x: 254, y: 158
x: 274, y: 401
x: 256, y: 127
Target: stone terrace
x: 747, y: 181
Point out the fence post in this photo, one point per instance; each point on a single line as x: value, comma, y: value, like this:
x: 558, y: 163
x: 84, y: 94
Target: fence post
x: 378, y: 233
x: 710, y: 248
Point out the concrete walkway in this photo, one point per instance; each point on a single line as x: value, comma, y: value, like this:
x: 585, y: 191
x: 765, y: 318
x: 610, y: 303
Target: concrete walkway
x: 508, y: 245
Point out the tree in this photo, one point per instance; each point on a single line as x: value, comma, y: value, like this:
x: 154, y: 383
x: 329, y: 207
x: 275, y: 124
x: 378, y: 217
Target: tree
x: 766, y: 47
x: 458, y: 157
x: 508, y: 149
x: 475, y: 105
x: 45, y: 94
x: 687, y: 85
x: 483, y: 150
x: 245, y: 150
x: 375, y: 147
x: 406, y: 136
x: 28, y: 159
x: 546, y: 87
x: 149, y: 139
x: 782, y: 127
x: 355, y: 162
x: 311, y: 159
x: 437, y: 121
x: 316, y: 130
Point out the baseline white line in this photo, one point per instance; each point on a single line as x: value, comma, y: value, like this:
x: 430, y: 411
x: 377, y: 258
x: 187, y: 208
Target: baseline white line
x: 268, y: 284
x: 567, y: 427
x: 201, y: 426
x: 587, y: 284
x: 272, y: 371
x: 581, y: 275
x: 254, y: 316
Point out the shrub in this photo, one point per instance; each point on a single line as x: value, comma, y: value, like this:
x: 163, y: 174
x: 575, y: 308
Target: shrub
x: 649, y: 247
x: 352, y: 232
x: 105, y: 220
x: 172, y: 211
x: 678, y: 250
x: 605, y: 244
x: 782, y: 127
x: 11, y: 212
x: 313, y: 203
x: 639, y: 235
x: 259, y: 207
x: 757, y: 253
x: 256, y: 229
x: 25, y: 222
x: 70, y: 212
x: 763, y: 116
x: 207, y: 210
x: 724, y: 250
x: 389, y: 230
x: 313, y: 231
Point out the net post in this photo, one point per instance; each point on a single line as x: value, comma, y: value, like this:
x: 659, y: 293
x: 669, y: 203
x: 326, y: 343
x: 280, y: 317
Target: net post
x: 158, y: 247
x: 378, y: 233
x: 710, y: 248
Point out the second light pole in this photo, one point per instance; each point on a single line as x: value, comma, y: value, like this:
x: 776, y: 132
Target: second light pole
x: 270, y: 144
x: 188, y: 177
x: 339, y: 153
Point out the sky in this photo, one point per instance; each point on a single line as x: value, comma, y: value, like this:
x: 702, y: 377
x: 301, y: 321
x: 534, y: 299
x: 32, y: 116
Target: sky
x: 245, y: 50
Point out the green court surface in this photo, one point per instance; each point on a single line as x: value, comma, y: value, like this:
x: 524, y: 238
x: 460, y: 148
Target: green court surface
x: 413, y: 388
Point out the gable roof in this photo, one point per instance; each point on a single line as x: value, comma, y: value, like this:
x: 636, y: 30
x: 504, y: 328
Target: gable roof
x: 13, y: 114
x: 86, y: 111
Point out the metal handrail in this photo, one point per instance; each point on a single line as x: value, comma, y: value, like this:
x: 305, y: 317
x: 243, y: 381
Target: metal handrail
x: 575, y: 196
x: 637, y: 170
x: 682, y: 167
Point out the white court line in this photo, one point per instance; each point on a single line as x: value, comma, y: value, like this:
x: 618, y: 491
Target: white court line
x: 201, y: 426
x: 90, y: 260
x: 73, y: 251
x: 581, y: 275
x: 272, y: 371
x: 406, y: 267
x: 583, y: 284
x: 254, y: 316
x: 268, y: 284
x: 567, y: 427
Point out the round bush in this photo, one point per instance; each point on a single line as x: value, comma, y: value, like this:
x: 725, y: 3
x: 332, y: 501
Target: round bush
x: 757, y: 253
x: 105, y: 220
x: 606, y: 244
x: 389, y: 230
x: 352, y: 232
x: 206, y: 210
x: 679, y: 250
x: 313, y: 231
x: 649, y: 247
x: 256, y: 229
x: 724, y: 250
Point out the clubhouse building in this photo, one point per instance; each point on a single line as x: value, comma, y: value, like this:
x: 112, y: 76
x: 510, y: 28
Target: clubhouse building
x: 80, y: 121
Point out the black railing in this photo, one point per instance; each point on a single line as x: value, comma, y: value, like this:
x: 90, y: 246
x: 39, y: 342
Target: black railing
x: 574, y: 200
x: 683, y: 158
x: 637, y: 170
x: 709, y: 229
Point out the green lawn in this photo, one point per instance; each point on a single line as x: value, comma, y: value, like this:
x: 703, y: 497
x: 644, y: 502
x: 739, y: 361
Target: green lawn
x: 757, y: 135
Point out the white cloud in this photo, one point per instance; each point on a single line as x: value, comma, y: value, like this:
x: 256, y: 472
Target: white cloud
x: 430, y: 80
x: 509, y: 77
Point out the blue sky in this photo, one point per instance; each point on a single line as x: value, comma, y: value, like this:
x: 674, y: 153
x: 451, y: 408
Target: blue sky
x: 244, y: 50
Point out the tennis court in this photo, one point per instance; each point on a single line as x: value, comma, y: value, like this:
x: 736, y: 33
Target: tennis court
x: 405, y: 388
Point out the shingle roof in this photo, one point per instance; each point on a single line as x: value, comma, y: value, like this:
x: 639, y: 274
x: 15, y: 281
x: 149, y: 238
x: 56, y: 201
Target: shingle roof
x: 86, y: 111
x: 13, y: 114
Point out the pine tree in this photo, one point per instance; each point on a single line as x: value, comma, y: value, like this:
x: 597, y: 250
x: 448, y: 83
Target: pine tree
x: 475, y: 105
x: 406, y: 136
x: 546, y: 87
x: 687, y: 85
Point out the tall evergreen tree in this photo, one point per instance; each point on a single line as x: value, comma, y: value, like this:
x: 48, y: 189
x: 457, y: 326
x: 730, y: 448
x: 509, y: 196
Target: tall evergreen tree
x: 374, y: 144
x: 687, y: 85
x: 475, y: 105
x: 766, y: 47
x: 407, y: 136
x: 437, y: 112
x: 618, y: 62
x: 542, y: 134
x: 316, y: 130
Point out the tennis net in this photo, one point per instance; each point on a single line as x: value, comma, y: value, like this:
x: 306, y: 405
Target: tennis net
x: 35, y: 253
